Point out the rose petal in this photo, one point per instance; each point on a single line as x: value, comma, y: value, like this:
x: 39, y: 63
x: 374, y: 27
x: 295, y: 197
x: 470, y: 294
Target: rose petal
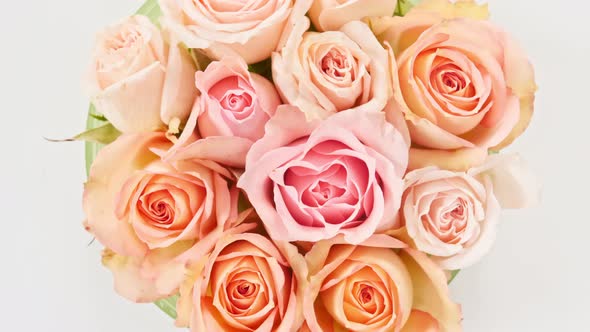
x: 429, y: 282
x: 126, y: 105
x: 178, y: 91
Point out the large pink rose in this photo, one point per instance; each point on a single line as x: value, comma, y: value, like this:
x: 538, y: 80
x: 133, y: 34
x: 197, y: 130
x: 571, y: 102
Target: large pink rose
x: 333, y: 14
x: 249, y: 29
x: 245, y: 284
x: 378, y: 285
x: 325, y: 73
x: 147, y: 211
x: 313, y: 180
x: 466, y: 84
x: 230, y: 114
x: 130, y: 58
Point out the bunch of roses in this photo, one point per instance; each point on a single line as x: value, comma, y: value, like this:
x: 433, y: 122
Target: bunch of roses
x: 335, y: 193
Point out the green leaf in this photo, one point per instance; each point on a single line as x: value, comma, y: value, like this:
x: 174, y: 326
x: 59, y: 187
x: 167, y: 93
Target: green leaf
x: 104, y: 134
x: 98, y: 117
x: 453, y: 275
x: 168, y: 305
x: 151, y: 9
x: 92, y: 148
x: 263, y: 68
x: 404, y: 6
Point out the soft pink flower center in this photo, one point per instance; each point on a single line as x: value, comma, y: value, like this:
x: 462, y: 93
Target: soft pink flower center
x: 448, y: 222
x: 125, y: 39
x: 237, y: 103
x: 337, y: 65
x: 234, y: 97
x: 325, y: 187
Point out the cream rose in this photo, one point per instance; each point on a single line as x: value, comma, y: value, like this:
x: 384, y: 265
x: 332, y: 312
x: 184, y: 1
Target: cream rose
x: 466, y: 86
x: 375, y: 287
x: 332, y: 14
x: 325, y: 73
x: 453, y: 216
x: 148, y: 212
x: 249, y: 29
x: 130, y: 58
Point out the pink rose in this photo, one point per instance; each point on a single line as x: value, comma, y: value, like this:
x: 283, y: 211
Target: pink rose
x: 453, y: 216
x: 313, y: 180
x: 333, y: 14
x: 130, y: 58
x: 231, y: 112
x: 465, y: 83
x: 147, y: 212
x: 372, y: 287
x: 245, y: 284
x: 250, y: 29
x: 329, y: 72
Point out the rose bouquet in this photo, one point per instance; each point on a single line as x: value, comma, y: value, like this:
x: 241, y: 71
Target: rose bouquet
x: 299, y: 165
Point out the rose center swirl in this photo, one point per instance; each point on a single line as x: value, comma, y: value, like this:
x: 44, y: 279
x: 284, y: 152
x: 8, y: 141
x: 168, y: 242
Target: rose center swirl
x: 337, y: 65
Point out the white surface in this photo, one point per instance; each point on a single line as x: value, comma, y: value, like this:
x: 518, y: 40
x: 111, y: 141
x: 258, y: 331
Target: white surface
x: 536, y: 278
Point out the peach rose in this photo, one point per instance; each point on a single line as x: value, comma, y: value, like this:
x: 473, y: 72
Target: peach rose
x: 332, y: 14
x: 467, y: 86
x: 249, y: 29
x: 147, y: 211
x: 314, y: 180
x: 372, y: 287
x: 453, y: 216
x: 130, y: 58
x: 245, y: 284
x: 231, y: 112
x: 325, y: 73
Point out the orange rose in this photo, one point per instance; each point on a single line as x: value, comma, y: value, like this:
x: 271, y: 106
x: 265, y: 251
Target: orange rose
x: 148, y: 212
x: 245, y: 284
x: 465, y: 85
x: 371, y: 287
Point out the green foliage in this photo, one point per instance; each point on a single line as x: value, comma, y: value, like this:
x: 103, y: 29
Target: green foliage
x: 404, y: 6
x: 453, y: 275
x: 168, y: 305
x: 104, y: 134
x: 151, y: 9
x: 92, y: 148
x: 263, y: 68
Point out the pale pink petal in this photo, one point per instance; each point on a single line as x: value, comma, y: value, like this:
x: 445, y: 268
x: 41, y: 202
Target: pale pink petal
x: 126, y: 105
x: 421, y: 321
x: 179, y: 91
x: 514, y: 185
x: 456, y: 160
x: 331, y: 15
x: 431, y: 293
x: 226, y: 150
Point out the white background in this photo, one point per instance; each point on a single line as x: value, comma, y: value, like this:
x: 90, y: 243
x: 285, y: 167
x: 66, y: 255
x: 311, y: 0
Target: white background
x: 536, y: 278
